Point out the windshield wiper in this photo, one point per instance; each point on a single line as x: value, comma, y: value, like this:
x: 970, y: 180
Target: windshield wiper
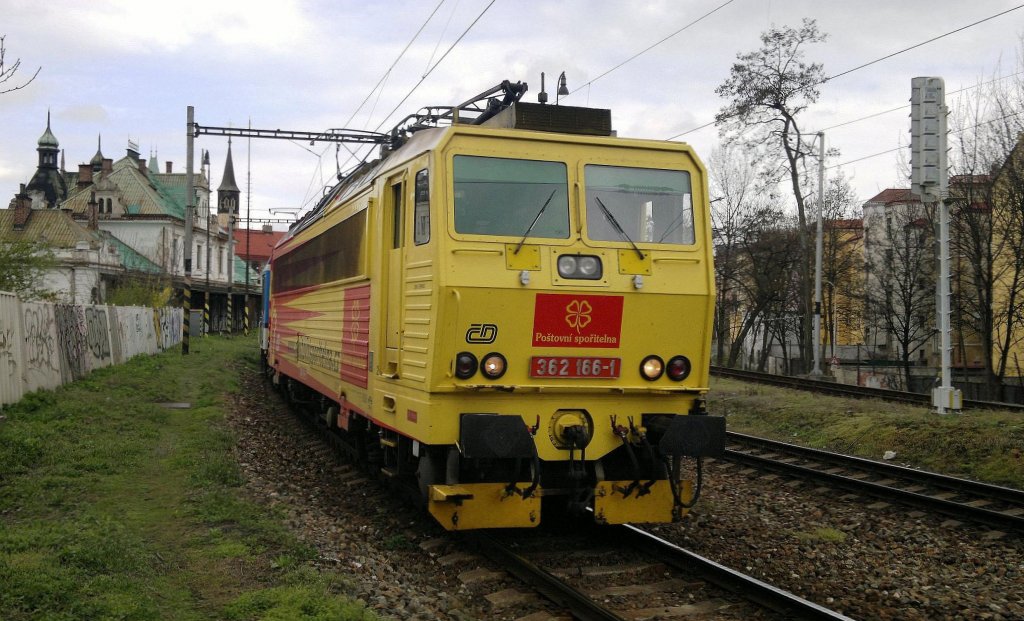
x: 534, y: 223
x: 608, y: 215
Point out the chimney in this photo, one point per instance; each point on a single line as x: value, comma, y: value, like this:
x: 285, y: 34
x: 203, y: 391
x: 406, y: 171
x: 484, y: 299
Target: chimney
x: 84, y: 175
x: 267, y: 228
x: 22, y: 209
x: 142, y: 166
x: 108, y: 165
x: 170, y: 166
x: 92, y: 212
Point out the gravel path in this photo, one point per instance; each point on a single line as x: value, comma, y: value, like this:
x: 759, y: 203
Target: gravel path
x: 849, y: 554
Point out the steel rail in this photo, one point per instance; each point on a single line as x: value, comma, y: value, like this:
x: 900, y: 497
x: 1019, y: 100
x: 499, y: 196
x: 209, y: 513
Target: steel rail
x: 958, y: 510
x: 1005, y: 494
x: 579, y: 604
x: 750, y: 588
x: 847, y: 390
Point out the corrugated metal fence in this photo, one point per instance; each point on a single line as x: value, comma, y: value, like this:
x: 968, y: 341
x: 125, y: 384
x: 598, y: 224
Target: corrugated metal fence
x: 45, y: 345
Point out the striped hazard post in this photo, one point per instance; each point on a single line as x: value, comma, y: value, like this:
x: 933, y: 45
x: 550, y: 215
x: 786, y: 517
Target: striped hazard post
x: 245, y: 323
x: 188, y: 313
x: 231, y: 314
x: 206, y: 313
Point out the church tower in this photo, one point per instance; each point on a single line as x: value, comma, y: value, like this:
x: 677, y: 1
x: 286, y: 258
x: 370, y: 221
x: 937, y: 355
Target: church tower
x: 228, y: 193
x: 47, y: 189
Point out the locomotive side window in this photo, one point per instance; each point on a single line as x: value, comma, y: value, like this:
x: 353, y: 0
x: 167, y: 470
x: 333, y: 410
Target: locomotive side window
x: 516, y: 198
x: 332, y: 256
x: 397, y: 193
x: 421, y: 209
x: 642, y: 205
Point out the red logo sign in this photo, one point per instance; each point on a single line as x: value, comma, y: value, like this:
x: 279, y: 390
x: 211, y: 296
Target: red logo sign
x: 561, y: 320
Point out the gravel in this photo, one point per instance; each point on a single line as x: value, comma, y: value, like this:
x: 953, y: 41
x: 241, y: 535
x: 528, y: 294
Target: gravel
x: 847, y: 553
x: 867, y: 559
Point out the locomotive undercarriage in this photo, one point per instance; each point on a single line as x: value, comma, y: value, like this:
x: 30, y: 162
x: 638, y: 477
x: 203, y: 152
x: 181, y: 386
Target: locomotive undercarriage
x: 496, y: 479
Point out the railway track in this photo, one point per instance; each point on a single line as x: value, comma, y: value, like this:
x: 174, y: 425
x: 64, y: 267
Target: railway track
x: 962, y: 499
x: 602, y: 573
x: 625, y: 573
x: 846, y: 390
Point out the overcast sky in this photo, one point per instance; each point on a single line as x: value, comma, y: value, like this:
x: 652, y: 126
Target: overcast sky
x: 128, y: 69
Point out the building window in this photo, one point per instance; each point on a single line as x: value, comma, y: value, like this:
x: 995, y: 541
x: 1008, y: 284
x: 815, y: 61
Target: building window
x: 220, y: 261
x: 199, y: 256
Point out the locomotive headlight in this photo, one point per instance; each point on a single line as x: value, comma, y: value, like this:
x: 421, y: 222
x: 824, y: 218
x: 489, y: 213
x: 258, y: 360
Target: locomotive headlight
x: 566, y: 266
x: 579, y: 267
x: 652, y: 367
x: 493, y: 365
x: 678, y: 368
x: 589, y: 267
x: 465, y: 365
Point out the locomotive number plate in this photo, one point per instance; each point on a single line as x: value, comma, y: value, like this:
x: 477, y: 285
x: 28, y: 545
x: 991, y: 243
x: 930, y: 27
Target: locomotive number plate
x: 576, y: 367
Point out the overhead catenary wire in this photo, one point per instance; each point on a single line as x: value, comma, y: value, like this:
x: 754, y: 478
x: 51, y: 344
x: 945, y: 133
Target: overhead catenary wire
x: 877, y: 60
x: 435, y: 65
x: 955, y: 131
x: 651, y: 47
x: 376, y: 87
x: 427, y: 74
x: 905, y: 106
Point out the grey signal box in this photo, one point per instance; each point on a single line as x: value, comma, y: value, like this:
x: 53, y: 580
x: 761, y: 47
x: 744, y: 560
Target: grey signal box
x: 928, y: 173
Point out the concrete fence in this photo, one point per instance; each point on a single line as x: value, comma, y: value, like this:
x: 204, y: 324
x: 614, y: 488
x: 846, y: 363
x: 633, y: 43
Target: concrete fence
x: 45, y: 345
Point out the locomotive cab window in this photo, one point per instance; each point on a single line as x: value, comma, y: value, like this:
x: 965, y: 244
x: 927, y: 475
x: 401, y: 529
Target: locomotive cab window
x: 509, y: 197
x: 642, y: 205
x: 421, y: 209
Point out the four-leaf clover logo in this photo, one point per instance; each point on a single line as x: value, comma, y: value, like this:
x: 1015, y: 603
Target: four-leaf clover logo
x: 577, y: 314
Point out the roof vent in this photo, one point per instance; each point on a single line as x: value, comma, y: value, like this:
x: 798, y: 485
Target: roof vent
x: 561, y: 119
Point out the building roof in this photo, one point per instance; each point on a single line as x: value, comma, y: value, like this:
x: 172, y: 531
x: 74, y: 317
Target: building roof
x: 130, y: 259
x: 52, y: 226
x: 260, y: 244
x: 854, y: 224
x: 140, y: 193
x: 894, y: 195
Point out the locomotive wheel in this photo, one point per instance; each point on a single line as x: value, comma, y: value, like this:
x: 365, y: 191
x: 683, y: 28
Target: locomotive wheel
x: 430, y: 470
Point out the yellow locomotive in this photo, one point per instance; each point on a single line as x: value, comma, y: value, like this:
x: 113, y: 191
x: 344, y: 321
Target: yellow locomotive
x: 513, y: 309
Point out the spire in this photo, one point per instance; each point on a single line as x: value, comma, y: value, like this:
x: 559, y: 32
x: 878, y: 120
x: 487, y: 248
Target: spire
x: 97, y: 160
x: 228, y: 184
x: 154, y: 162
x: 48, y: 186
x: 48, y: 140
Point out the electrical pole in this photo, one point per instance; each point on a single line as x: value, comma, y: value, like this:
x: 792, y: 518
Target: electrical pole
x: 189, y: 206
x: 816, y: 328
x: 206, y: 297
x: 248, y: 225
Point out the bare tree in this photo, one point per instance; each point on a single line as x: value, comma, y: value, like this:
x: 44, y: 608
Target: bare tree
x: 733, y: 181
x: 7, y: 71
x: 842, y: 260
x: 767, y: 259
x: 767, y: 90
x: 987, y: 234
x: 901, y: 270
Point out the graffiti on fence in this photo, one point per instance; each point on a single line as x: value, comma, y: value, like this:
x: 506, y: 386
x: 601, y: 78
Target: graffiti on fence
x: 170, y: 321
x: 97, y: 334
x: 7, y: 356
x: 40, y: 348
x: 71, y: 340
x: 45, y: 345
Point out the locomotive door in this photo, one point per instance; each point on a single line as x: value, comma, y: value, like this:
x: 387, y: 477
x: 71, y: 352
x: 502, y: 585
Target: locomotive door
x: 394, y: 216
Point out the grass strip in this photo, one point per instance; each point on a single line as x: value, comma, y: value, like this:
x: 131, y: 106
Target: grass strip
x: 985, y: 445
x: 113, y: 506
